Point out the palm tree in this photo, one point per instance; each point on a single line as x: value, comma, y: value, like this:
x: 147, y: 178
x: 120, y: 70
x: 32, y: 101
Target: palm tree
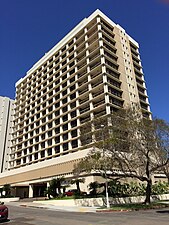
x: 52, y: 188
x: 77, y: 181
x: 7, y: 189
x: 1, y: 191
x: 93, y: 186
x: 59, y: 182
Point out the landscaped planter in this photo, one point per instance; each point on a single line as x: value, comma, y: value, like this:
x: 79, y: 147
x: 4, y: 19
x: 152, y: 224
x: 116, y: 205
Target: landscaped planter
x: 99, y: 202
x: 14, y: 199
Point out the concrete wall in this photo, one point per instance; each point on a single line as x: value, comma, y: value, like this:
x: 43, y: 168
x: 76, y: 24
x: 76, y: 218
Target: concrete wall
x: 6, y: 113
x: 102, y: 201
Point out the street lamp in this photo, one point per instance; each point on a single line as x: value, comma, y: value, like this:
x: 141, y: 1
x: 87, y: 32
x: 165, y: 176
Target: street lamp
x: 105, y: 172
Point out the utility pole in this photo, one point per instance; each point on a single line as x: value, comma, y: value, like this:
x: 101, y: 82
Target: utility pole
x: 105, y: 171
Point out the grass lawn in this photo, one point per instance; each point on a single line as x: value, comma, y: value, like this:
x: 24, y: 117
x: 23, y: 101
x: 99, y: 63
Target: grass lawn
x: 136, y: 206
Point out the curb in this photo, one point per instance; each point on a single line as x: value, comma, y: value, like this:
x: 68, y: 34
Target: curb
x: 110, y: 211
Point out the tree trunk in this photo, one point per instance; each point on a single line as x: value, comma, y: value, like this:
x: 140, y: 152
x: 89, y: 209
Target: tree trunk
x: 148, y: 191
x: 59, y: 190
x: 78, y: 186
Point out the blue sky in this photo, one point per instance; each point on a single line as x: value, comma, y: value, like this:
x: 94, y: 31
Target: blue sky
x: 29, y: 28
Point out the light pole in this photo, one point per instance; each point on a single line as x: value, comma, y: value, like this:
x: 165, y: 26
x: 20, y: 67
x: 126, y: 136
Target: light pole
x: 105, y: 172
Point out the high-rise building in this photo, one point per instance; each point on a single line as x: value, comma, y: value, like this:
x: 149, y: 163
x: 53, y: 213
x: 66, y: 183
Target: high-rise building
x: 6, y: 116
x: 93, y: 71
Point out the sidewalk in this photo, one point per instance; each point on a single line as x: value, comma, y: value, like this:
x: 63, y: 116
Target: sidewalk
x: 54, y: 207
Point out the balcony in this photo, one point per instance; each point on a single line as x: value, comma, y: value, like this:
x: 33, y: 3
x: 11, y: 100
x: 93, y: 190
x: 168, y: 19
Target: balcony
x: 84, y: 100
x: 134, y: 52
x: 100, y: 113
x: 84, y: 120
x: 84, y: 82
x: 111, y: 35
x: 95, y: 65
x: 115, y: 74
x: 83, y: 91
x: 80, y: 58
x: 99, y: 103
x: 82, y: 65
x: 143, y: 106
x: 111, y: 64
x: 98, y: 83
x: 98, y: 93
x: 91, y: 58
x: 107, y: 26
x: 84, y: 110
x: 109, y: 40
x: 114, y: 83
x: 82, y: 74
x: 117, y: 102
x: 115, y: 92
x: 142, y: 90
x: 96, y: 74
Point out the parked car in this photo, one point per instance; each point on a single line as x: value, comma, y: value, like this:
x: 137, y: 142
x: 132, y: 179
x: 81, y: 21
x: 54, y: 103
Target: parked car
x: 74, y: 192
x: 3, y: 212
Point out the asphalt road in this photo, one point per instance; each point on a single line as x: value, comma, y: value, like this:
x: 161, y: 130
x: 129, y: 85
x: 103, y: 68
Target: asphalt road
x: 30, y: 216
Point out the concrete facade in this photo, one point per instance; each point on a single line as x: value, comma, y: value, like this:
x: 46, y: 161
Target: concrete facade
x: 93, y: 71
x: 6, y: 117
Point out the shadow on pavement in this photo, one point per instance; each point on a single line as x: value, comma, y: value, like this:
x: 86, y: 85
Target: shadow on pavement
x: 163, y: 211
x: 4, y: 221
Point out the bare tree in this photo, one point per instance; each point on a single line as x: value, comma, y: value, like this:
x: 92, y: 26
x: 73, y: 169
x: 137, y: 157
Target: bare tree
x: 133, y: 147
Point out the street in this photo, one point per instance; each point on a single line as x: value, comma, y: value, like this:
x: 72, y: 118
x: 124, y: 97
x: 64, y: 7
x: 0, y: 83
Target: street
x: 20, y: 215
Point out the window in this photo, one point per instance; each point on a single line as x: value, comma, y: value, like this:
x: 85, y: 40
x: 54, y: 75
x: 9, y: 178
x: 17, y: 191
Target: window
x: 73, y: 105
x: 65, y: 118
x: 74, y: 144
x: 57, y: 113
x: 57, y: 105
x: 63, y: 56
x: 57, y: 130
x: 49, y: 133
x: 37, y: 131
x: 74, y: 133
x: 70, y: 43
x: 49, y: 151
x: 64, y: 85
x: 43, y: 137
x: 57, y: 121
x: 57, y: 149
x: 64, y: 77
x: 65, y: 127
x: 64, y: 109
x: 65, y: 146
x: 42, y: 154
x: 64, y: 101
x: 49, y: 142
x: 37, y: 147
x: 73, y: 96
x: 72, y: 88
x: 73, y: 123
x: 57, y: 140
x: 65, y: 136
x: 70, y: 65
x: 37, y: 139
x: 43, y: 127
x: 72, y: 79
x: 50, y: 108
x: 43, y: 144
x: 73, y: 114
x: 36, y: 155
x: 64, y: 92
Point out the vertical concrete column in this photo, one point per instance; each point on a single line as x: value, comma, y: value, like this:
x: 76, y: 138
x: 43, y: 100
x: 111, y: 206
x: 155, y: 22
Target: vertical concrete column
x: 30, y: 191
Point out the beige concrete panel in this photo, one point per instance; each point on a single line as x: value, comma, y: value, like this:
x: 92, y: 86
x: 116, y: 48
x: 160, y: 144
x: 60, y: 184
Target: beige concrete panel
x: 50, y: 171
x: 122, y: 67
